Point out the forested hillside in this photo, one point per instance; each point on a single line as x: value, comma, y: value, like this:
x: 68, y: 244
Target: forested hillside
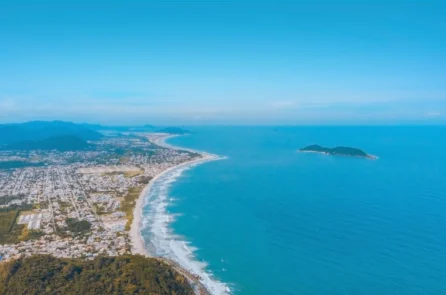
x: 136, y: 274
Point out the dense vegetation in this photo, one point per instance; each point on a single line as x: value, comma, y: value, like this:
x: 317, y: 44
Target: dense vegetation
x: 39, y: 130
x: 78, y: 226
x: 340, y: 151
x: 60, y: 143
x: 7, y: 221
x: 10, y: 231
x: 128, y: 204
x: 18, y: 164
x: 104, y: 275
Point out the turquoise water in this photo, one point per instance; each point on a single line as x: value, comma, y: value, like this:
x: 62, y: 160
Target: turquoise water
x: 270, y: 220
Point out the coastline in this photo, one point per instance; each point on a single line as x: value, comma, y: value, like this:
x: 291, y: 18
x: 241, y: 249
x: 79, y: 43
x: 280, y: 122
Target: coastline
x: 200, y: 286
x: 138, y: 245
x: 369, y: 156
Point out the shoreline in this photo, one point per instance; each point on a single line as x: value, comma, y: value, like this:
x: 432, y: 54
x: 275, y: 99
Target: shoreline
x: 137, y: 242
x: 138, y: 245
x: 370, y: 157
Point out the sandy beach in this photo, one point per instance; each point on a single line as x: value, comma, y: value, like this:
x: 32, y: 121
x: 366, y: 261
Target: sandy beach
x: 137, y: 241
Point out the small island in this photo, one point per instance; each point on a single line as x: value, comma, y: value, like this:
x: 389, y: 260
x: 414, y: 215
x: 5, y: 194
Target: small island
x: 338, y: 151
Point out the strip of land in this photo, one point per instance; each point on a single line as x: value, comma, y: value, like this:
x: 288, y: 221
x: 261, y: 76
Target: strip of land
x: 85, y: 203
x: 137, y: 241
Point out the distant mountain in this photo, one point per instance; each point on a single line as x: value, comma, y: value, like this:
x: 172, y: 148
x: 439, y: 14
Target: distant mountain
x: 135, y: 128
x: 39, y: 130
x: 337, y: 151
x: 92, y: 126
x: 173, y: 130
x: 60, y: 143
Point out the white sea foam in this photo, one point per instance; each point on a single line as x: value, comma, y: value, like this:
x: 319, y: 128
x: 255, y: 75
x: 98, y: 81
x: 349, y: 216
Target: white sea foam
x: 163, y: 242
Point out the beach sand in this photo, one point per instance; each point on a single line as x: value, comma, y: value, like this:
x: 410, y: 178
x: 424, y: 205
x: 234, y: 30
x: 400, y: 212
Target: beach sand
x: 137, y: 241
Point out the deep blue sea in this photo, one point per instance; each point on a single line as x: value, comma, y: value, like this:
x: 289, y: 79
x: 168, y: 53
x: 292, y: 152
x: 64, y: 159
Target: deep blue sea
x: 269, y: 220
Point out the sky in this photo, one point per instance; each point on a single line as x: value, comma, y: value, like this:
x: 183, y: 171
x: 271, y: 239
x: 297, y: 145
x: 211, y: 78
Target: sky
x: 223, y: 62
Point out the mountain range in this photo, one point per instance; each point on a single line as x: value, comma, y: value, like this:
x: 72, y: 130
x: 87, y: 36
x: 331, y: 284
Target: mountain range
x: 60, y: 143
x: 40, y: 130
x: 64, y: 136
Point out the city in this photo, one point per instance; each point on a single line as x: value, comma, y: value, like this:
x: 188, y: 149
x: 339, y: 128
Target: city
x: 77, y: 204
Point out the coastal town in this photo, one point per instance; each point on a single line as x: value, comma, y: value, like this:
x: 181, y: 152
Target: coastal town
x: 78, y: 204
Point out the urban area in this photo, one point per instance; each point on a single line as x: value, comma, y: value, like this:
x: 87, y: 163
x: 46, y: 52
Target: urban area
x: 77, y: 204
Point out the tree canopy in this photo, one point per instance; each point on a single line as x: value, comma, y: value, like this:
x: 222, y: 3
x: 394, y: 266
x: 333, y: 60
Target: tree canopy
x: 129, y: 274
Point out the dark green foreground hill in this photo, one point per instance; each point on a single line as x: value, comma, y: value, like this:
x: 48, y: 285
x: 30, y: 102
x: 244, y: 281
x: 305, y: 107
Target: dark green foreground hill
x: 131, y: 274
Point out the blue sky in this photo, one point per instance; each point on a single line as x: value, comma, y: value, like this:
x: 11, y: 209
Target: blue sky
x: 223, y: 62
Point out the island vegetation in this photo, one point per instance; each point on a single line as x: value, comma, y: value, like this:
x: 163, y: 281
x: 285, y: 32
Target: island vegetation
x: 128, y: 274
x: 338, y: 151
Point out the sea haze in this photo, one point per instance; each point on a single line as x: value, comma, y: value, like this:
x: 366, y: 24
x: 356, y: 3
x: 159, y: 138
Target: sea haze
x: 270, y: 220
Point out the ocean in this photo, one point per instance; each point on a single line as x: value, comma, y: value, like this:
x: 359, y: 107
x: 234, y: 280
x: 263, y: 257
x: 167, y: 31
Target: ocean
x: 270, y: 220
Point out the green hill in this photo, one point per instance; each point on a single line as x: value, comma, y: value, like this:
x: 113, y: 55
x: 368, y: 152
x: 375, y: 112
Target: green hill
x: 136, y: 128
x: 337, y: 151
x: 60, y: 143
x: 130, y: 274
x: 39, y: 130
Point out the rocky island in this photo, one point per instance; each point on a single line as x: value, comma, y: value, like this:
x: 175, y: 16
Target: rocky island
x: 338, y: 151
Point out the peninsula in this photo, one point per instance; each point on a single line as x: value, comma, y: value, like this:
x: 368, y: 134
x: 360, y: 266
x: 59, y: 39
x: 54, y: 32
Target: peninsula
x: 338, y: 151
x: 71, y: 203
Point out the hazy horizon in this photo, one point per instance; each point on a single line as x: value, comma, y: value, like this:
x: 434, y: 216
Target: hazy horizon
x: 224, y: 63
x: 265, y: 124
